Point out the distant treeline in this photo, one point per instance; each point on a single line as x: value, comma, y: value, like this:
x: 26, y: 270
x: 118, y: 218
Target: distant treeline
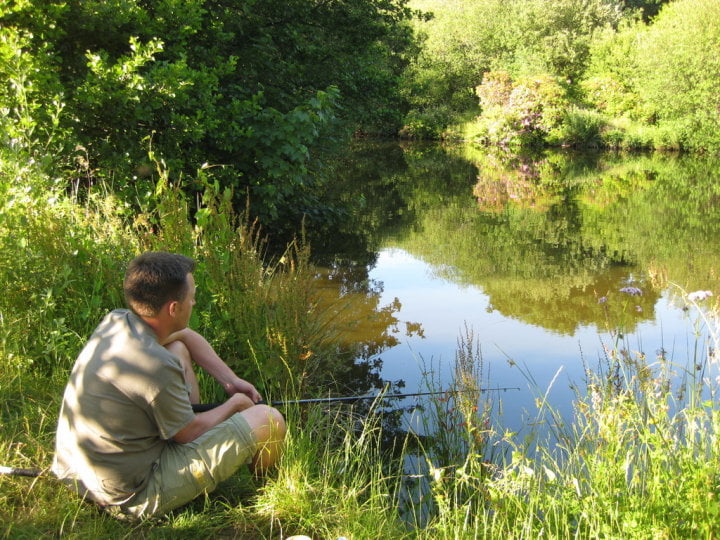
x: 605, y: 73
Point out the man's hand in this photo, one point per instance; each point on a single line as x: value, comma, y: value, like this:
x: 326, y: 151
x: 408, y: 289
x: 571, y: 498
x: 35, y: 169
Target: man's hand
x: 204, y: 421
x: 239, y: 386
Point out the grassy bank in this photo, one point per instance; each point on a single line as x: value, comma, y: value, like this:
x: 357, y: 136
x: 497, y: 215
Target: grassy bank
x: 638, y: 459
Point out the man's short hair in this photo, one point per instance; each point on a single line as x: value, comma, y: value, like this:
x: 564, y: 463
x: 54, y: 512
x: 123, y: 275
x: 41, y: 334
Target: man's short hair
x: 154, y: 278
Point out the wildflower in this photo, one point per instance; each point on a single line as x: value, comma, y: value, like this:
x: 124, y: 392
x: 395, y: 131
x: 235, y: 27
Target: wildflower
x: 699, y: 295
x: 602, y: 299
x: 633, y: 291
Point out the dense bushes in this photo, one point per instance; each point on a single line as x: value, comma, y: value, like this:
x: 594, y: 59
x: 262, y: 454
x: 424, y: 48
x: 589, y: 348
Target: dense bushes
x: 522, y: 112
x: 632, y: 75
x: 257, y: 89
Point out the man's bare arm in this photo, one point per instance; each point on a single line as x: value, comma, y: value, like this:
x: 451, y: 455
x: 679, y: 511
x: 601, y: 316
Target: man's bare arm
x: 205, y: 356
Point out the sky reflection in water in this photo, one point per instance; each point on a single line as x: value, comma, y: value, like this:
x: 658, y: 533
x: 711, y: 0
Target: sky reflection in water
x: 444, y: 309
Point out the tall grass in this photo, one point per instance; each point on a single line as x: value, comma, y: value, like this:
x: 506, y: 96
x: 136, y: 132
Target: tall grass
x: 638, y: 459
x: 62, y: 257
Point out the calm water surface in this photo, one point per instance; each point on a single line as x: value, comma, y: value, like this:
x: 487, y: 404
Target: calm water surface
x: 530, y: 254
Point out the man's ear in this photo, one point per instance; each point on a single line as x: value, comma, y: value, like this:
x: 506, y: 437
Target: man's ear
x: 171, y: 307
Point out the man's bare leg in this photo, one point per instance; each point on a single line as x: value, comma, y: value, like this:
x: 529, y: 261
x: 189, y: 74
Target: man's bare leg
x: 269, y: 428
x: 267, y: 423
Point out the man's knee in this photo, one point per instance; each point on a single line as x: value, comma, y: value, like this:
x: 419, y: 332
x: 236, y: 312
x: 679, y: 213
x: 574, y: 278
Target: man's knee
x: 268, y: 427
x: 266, y: 422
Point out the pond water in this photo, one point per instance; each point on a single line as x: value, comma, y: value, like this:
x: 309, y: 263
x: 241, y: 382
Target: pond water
x: 545, y: 259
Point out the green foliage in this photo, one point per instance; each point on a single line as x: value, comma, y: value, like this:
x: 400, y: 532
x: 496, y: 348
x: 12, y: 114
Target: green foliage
x: 678, y: 70
x: 30, y: 101
x: 428, y: 124
x: 459, y: 41
x: 60, y: 262
x: 334, y: 480
x: 464, y: 39
x: 609, y: 83
x: 581, y: 128
x: 648, y: 72
x: 556, y: 35
x: 647, y: 8
x: 660, y: 77
x: 259, y: 89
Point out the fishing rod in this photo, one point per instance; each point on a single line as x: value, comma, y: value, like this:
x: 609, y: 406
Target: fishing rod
x: 202, y: 407
x: 17, y: 471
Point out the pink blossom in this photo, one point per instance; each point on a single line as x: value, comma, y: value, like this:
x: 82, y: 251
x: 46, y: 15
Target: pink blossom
x: 633, y: 291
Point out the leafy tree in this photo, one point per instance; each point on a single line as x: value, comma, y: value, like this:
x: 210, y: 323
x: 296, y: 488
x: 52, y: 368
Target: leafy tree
x: 610, y: 82
x: 679, y: 68
x: 556, y: 34
x: 258, y: 89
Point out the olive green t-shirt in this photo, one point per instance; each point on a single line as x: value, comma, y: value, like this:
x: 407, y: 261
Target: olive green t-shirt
x: 125, y: 399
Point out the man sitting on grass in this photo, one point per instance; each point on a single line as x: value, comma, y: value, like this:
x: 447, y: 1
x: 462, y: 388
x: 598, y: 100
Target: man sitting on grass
x: 127, y: 436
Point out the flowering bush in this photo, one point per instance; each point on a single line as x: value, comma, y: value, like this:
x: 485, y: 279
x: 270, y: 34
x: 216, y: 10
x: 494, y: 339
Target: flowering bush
x: 520, y: 112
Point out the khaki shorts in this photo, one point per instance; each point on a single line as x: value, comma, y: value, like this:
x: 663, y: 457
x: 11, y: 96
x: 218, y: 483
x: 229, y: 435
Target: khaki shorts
x: 185, y: 471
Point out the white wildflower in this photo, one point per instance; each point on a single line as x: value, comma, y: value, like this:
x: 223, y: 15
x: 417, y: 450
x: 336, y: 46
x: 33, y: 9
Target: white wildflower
x: 696, y: 296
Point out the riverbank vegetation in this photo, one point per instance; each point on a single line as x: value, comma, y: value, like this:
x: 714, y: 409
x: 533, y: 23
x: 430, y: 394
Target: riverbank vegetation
x: 603, y: 73
x: 643, y: 435
x: 197, y: 126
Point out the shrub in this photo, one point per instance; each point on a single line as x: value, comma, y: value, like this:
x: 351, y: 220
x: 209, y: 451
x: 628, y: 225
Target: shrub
x: 429, y: 124
x: 520, y: 112
x: 609, y: 83
x: 678, y: 69
x: 579, y: 127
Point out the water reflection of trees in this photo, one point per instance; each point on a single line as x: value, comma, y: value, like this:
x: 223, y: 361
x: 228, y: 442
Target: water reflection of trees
x: 552, y: 242
x: 382, y: 177
x: 550, y: 237
x: 363, y: 328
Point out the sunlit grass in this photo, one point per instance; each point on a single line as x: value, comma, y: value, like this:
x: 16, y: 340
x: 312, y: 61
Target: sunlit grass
x: 639, y: 458
x: 333, y: 481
